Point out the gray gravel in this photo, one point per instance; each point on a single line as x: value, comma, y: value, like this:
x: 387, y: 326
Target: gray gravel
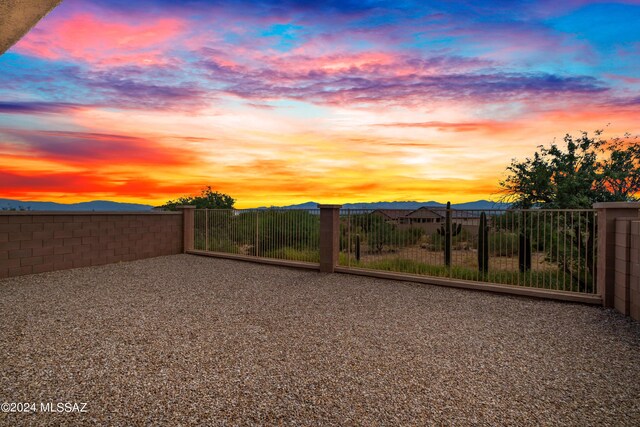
x: 185, y: 340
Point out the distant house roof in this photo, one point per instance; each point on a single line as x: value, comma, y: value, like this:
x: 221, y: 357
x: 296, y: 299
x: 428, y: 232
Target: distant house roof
x: 438, y: 212
x: 425, y: 212
x: 392, y: 213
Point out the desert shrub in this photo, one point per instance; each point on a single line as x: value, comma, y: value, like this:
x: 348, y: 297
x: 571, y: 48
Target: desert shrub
x: 410, y: 236
x: 217, y: 244
x: 376, y: 233
x: 464, y: 240
x: 503, y: 243
x: 279, y: 229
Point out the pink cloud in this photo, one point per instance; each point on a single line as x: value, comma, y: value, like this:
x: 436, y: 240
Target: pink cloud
x: 337, y: 63
x: 89, y: 38
x: 550, y: 8
x: 625, y: 79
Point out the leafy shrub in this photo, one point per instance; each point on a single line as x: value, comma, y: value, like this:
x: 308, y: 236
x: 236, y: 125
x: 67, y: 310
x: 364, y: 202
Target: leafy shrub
x: 463, y: 241
x: 503, y: 243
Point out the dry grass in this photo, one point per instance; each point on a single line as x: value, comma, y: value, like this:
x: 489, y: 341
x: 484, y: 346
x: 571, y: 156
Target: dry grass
x: 190, y: 340
x: 463, y: 258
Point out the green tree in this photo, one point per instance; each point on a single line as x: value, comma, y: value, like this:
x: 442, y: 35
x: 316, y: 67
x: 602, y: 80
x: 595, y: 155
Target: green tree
x: 208, y: 199
x: 586, y: 170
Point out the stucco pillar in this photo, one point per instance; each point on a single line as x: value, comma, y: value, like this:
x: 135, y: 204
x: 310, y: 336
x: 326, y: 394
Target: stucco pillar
x: 329, y: 237
x: 187, y: 224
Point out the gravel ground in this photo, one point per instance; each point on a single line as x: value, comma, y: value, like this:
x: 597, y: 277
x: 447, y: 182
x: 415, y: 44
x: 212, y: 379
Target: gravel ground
x: 187, y: 340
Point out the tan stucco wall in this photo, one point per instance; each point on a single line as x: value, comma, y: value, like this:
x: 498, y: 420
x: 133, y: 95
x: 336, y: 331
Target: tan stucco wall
x: 17, y: 17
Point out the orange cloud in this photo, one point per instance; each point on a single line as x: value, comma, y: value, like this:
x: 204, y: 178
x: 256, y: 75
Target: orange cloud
x: 94, y: 149
x: 82, y: 186
x: 484, y: 126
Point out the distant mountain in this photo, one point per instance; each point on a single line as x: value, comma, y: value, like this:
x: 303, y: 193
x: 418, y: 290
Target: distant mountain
x: 482, y: 204
x: 96, y: 205
x: 477, y: 205
x: 105, y: 205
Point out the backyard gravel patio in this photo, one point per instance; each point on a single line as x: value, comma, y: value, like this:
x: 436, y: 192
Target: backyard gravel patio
x: 193, y: 340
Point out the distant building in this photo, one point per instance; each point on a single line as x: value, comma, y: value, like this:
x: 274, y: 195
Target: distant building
x: 427, y: 215
x: 393, y: 216
x: 438, y: 215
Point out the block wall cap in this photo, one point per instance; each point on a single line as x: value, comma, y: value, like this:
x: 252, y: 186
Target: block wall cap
x: 617, y: 205
x: 627, y: 219
x: 75, y: 213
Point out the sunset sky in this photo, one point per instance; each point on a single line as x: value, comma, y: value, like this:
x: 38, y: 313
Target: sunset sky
x: 282, y: 102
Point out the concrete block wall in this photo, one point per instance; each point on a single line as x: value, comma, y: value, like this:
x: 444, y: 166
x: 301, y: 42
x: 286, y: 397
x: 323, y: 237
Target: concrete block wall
x: 622, y: 265
x: 36, y: 242
x: 634, y: 271
x: 614, y: 268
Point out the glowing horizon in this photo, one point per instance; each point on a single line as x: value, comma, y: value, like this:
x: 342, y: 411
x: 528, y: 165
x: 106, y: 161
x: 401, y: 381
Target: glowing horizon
x: 282, y: 102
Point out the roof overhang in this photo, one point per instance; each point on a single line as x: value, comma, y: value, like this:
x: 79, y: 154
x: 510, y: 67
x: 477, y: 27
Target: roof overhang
x: 17, y: 17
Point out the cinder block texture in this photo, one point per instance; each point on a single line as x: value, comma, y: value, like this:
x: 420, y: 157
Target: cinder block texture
x: 35, y: 242
x: 634, y: 272
x: 622, y: 266
x: 608, y: 213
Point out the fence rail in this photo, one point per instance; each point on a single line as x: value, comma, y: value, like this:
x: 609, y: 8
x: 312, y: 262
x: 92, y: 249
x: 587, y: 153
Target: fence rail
x: 548, y: 249
x: 285, y: 234
x: 536, y: 248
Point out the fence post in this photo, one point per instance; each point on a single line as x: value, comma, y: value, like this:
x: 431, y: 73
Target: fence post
x: 606, y: 265
x: 187, y: 227
x: 329, y: 237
